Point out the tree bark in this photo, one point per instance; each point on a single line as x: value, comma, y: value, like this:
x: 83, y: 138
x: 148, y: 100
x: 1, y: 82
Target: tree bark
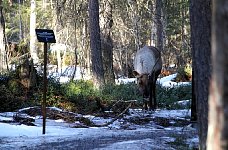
x: 200, y: 20
x: 193, y: 103
x: 33, y: 50
x: 95, y: 44
x: 218, y: 114
x: 135, y: 22
x: 86, y: 47
x: 75, y: 48
x: 21, y: 34
x: 107, y: 43
x: 158, y: 17
x: 3, y: 59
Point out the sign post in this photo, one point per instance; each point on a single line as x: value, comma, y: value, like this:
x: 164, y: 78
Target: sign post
x: 45, y: 36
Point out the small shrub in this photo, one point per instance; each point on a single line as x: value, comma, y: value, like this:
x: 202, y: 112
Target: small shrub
x: 184, y: 73
x: 8, y: 101
x: 53, y: 95
x: 81, y: 93
x: 167, y: 97
x: 4, y: 79
x: 15, y: 87
x: 85, y: 96
x: 81, y: 89
x: 120, y: 92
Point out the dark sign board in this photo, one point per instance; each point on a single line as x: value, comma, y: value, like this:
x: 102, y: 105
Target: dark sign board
x: 45, y: 35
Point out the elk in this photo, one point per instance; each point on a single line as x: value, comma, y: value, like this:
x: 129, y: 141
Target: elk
x: 147, y: 67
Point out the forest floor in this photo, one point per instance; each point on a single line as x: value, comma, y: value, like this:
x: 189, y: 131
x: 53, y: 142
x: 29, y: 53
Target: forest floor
x: 134, y: 129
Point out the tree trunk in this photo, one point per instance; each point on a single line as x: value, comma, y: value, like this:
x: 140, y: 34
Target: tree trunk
x: 21, y: 35
x: 86, y: 48
x: 33, y: 50
x: 158, y: 17
x: 95, y: 44
x: 75, y: 49
x: 152, y: 41
x: 218, y: 114
x: 135, y: 22
x: 193, y: 103
x: 200, y: 20
x: 107, y: 43
x: 3, y: 62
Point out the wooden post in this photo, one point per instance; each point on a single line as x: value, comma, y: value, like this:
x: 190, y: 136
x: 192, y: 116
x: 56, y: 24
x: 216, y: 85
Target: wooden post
x: 44, y: 88
x: 45, y: 36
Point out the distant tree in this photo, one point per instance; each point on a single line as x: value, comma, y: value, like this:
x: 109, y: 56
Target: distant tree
x: 21, y: 34
x: 175, y: 14
x: 158, y: 17
x: 3, y: 59
x: 33, y: 50
x: 218, y: 104
x: 200, y: 20
x: 135, y: 21
x: 107, y: 42
x: 95, y: 44
x: 132, y: 27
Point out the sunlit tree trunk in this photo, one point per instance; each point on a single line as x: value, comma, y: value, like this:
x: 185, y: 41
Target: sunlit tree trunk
x: 135, y: 22
x: 200, y: 20
x: 75, y: 46
x: 3, y: 62
x: 152, y: 41
x: 33, y: 50
x: 85, y: 46
x: 95, y: 44
x: 21, y: 35
x: 58, y: 26
x: 44, y: 4
x: 218, y: 99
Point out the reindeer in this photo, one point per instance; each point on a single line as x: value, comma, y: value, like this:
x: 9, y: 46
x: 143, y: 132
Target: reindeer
x: 147, y: 66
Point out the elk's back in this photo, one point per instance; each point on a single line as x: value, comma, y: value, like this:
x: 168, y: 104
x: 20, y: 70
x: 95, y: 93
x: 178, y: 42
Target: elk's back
x: 145, y: 60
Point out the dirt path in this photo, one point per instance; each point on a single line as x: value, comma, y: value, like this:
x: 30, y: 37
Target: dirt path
x: 163, y: 130
x: 127, y: 140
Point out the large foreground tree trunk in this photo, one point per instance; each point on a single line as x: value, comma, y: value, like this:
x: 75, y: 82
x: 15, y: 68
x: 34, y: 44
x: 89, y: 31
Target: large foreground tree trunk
x: 218, y: 114
x: 200, y: 18
x: 95, y: 44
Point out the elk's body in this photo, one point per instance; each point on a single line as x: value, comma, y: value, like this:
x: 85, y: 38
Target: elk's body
x: 147, y: 67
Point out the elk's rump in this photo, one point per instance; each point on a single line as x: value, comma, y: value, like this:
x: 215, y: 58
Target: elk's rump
x: 145, y: 60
